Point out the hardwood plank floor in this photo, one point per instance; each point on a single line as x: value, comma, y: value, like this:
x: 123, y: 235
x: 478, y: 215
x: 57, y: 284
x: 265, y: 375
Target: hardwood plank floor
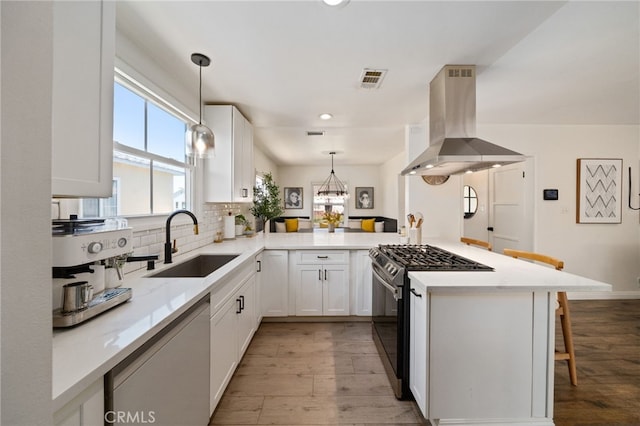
x: 606, y: 336
x: 330, y: 373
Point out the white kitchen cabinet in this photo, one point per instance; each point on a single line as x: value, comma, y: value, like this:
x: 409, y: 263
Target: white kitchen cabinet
x: 321, y: 283
x: 230, y: 174
x: 87, y: 409
x: 232, y: 328
x: 273, y: 283
x: 362, y: 281
x: 82, y: 98
x: 418, y: 355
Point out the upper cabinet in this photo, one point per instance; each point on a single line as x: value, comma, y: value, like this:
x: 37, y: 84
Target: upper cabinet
x: 82, y: 118
x: 230, y: 174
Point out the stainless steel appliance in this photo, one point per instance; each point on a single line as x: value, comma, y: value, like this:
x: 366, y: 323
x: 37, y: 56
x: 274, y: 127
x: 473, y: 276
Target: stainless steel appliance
x: 82, y: 249
x: 165, y: 381
x: 390, y: 313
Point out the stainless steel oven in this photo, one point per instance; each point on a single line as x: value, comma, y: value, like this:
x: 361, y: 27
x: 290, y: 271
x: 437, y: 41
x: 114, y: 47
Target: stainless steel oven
x: 390, y: 321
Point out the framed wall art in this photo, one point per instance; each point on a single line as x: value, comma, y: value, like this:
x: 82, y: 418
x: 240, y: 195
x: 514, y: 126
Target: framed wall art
x: 293, y: 198
x: 364, y: 198
x: 599, y: 190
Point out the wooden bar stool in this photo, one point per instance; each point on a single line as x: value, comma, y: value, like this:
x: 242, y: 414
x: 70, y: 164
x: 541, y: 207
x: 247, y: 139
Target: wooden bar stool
x: 562, y: 310
x: 480, y: 243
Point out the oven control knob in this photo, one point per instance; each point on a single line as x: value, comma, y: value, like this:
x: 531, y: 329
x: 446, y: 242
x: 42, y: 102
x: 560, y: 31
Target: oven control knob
x: 122, y: 242
x: 94, y: 247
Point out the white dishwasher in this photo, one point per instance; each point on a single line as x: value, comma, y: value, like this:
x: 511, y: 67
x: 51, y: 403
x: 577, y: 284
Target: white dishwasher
x: 166, y: 381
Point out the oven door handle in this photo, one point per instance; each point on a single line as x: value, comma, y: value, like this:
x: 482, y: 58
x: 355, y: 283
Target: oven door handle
x: 394, y: 290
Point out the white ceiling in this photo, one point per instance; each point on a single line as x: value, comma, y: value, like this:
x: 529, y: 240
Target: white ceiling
x: 282, y: 63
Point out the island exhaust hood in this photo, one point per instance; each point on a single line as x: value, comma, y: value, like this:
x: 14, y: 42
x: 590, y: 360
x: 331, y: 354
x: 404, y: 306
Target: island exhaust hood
x: 453, y: 147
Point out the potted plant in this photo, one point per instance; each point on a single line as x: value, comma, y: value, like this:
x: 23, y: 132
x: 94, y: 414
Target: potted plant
x: 241, y: 224
x: 266, y: 201
x: 333, y: 219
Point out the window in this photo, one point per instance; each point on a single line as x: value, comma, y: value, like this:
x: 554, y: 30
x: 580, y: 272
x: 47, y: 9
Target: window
x: 324, y: 204
x: 150, y: 175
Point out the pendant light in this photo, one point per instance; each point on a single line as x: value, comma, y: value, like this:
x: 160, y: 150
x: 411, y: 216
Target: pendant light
x: 199, y: 138
x: 332, y: 186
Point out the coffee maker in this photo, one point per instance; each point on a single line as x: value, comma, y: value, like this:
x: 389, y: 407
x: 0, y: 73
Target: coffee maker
x: 88, y: 255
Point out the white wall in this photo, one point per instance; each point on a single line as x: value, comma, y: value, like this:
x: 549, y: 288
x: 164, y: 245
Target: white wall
x: 25, y: 191
x: 264, y: 164
x: 604, y: 252
x: 391, y: 196
x: 353, y: 176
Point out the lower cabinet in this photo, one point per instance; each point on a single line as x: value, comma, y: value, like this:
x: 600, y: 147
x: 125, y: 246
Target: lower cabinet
x: 87, y: 409
x: 274, y: 283
x: 361, y: 279
x: 232, y: 328
x: 321, y: 283
x: 418, y: 346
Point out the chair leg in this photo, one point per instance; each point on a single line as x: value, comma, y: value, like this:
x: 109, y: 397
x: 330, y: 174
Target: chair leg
x: 565, y: 319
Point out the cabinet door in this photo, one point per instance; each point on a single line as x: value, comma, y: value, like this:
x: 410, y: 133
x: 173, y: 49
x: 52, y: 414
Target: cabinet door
x: 224, y: 350
x: 246, y: 315
x: 248, y: 168
x: 274, y: 283
x: 418, y: 357
x: 238, y: 159
x: 82, y: 98
x: 87, y: 409
x: 218, y: 170
x: 309, y: 284
x: 363, y: 283
x: 335, y: 290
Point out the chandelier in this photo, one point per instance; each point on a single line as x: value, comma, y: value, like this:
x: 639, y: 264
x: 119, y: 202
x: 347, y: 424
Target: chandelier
x: 332, y: 186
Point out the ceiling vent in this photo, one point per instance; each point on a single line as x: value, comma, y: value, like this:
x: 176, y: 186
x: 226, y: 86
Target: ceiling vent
x: 315, y: 133
x: 372, y: 79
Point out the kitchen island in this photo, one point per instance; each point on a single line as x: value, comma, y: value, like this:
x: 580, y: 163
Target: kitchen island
x: 482, y: 343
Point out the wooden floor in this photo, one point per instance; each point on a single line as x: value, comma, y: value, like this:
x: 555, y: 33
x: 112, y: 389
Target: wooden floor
x: 331, y: 374
x: 606, y: 336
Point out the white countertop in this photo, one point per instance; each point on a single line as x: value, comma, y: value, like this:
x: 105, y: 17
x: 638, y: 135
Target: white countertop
x: 509, y: 273
x: 85, y: 353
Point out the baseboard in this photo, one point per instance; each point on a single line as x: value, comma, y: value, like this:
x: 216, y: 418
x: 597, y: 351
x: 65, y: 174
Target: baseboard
x: 603, y: 295
x: 346, y: 318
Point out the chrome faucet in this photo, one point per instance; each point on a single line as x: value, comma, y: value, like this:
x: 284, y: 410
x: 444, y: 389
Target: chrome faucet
x: 167, y: 244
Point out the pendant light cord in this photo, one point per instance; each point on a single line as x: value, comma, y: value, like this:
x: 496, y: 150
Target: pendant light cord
x: 200, y: 92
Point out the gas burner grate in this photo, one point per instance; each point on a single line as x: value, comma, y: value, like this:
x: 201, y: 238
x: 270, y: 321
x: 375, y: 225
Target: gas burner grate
x: 429, y: 258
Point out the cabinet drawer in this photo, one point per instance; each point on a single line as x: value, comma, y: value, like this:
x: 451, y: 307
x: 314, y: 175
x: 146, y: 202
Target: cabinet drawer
x: 304, y: 257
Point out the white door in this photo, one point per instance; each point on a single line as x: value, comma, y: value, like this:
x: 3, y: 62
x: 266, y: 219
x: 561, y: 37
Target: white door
x: 511, y: 198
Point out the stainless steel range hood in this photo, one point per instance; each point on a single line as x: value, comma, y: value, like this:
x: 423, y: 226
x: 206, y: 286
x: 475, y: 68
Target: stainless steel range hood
x: 453, y: 147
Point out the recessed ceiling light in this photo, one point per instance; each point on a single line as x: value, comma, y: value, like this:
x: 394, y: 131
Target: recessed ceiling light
x: 326, y: 116
x: 429, y: 166
x: 335, y: 2
x: 495, y: 166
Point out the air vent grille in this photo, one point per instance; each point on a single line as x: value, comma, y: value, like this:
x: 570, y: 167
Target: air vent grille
x: 315, y: 133
x: 372, y: 78
x: 460, y: 72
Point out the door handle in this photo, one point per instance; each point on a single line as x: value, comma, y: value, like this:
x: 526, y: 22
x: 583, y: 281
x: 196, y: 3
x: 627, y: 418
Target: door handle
x: 490, y: 229
x: 259, y: 266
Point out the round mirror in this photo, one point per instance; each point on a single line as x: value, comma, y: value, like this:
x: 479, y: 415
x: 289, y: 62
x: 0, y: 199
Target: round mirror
x: 470, y: 198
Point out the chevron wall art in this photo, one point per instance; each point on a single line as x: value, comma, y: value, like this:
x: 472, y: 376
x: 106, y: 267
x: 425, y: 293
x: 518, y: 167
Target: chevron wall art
x: 599, y: 191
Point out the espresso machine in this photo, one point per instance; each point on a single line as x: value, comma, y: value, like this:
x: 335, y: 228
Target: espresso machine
x: 88, y: 255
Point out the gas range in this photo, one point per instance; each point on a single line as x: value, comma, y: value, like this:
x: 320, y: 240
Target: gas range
x: 425, y: 258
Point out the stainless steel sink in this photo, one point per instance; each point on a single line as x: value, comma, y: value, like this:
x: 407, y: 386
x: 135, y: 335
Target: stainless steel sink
x: 199, y: 266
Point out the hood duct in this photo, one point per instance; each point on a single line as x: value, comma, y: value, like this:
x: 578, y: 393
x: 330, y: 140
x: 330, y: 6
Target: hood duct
x: 453, y: 147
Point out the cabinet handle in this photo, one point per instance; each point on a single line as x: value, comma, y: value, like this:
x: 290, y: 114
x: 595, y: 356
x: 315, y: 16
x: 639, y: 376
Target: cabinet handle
x: 241, y: 303
x: 239, y: 308
x: 245, y: 192
x: 320, y: 274
x: 415, y: 293
x: 325, y: 274
x: 322, y: 257
x: 259, y: 266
